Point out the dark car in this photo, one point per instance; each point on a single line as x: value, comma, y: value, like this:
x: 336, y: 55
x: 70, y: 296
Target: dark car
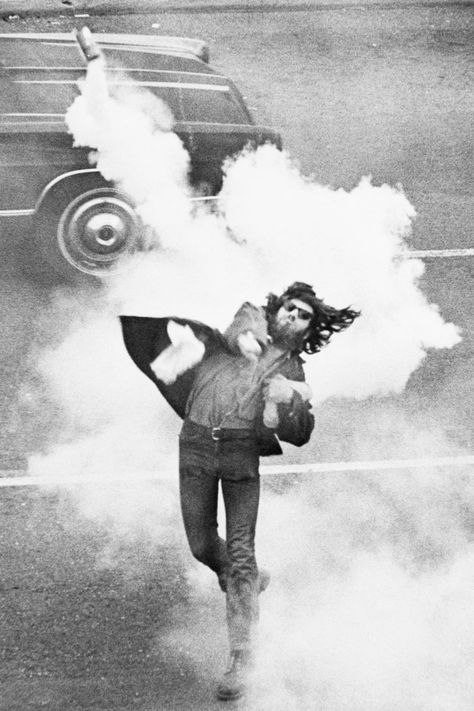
x: 78, y: 221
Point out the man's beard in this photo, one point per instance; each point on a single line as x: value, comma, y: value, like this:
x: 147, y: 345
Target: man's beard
x: 282, y: 335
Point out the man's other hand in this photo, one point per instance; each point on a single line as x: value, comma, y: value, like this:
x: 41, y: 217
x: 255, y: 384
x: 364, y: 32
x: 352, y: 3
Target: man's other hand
x: 279, y: 389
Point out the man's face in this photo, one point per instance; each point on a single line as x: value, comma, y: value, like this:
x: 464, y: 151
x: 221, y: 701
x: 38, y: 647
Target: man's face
x: 291, y: 321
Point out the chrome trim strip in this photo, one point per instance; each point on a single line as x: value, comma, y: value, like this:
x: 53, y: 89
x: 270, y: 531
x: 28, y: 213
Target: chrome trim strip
x: 23, y: 114
x: 179, y: 125
x: 30, y: 212
x: 35, y: 123
x: 138, y: 48
x: 187, y: 45
x: 119, y: 70
x: 58, y: 178
x: 168, y: 84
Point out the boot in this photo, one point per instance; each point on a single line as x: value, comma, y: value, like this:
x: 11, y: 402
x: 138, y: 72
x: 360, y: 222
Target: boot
x: 233, y: 683
x: 263, y: 580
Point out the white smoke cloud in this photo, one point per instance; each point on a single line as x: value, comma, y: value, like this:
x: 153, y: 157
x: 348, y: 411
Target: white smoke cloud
x: 274, y: 226
x: 372, y: 577
x: 129, y: 127
x: 377, y: 638
x: 352, y: 246
x: 371, y: 591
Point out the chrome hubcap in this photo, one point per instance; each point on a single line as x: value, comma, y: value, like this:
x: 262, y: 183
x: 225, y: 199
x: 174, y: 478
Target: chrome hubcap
x: 96, y: 230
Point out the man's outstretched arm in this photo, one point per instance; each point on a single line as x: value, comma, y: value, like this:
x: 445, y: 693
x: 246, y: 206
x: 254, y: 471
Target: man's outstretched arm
x: 184, y: 352
x: 146, y: 337
x: 248, y: 334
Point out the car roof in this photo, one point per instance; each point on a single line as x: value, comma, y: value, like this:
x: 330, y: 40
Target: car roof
x: 60, y: 49
x: 39, y: 74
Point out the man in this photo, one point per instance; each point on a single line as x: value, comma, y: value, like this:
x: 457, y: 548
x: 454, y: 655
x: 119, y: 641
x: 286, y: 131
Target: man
x: 237, y: 393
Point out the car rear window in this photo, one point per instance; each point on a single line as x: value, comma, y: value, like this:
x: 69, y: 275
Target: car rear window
x: 43, y: 93
x: 211, y: 106
x: 27, y: 53
x: 56, y: 53
x: 40, y: 77
x: 18, y: 97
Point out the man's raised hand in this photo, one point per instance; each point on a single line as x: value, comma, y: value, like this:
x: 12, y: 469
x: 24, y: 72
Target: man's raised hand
x: 249, y: 346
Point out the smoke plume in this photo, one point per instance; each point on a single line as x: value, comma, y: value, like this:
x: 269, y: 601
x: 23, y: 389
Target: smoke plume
x: 273, y: 226
x: 372, y: 577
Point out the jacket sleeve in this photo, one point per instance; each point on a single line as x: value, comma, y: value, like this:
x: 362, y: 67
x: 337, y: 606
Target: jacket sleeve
x: 295, y: 419
x: 248, y: 318
x: 145, y: 338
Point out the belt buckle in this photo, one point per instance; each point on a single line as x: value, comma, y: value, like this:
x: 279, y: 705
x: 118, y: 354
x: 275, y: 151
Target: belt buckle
x: 215, y: 433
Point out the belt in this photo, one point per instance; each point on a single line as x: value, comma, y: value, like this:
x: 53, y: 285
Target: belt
x: 221, y: 433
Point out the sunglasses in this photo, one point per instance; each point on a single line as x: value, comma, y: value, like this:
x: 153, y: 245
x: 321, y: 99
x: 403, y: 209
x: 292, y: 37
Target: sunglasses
x: 302, y: 313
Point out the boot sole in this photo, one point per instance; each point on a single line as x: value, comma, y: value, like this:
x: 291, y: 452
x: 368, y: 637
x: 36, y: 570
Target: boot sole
x: 229, y: 697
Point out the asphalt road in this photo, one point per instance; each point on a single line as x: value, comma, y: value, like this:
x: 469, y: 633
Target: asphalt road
x: 83, y: 627
x: 91, y: 620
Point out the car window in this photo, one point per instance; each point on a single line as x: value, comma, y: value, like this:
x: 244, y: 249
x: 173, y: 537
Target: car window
x: 212, y: 106
x: 147, y: 58
x: 18, y: 96
x: 190, y: 97
x: 24, y: 53
x: 195, y: 104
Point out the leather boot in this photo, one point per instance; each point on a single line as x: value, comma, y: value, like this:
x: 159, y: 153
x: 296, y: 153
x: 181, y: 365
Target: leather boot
x: 233, y: 683
x: 263, y: 580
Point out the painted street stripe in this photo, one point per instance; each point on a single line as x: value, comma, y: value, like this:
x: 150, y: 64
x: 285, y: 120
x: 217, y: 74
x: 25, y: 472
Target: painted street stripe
x: 8, y: 478
x: 441, y: 253
x: 370, y: 465
x: 16, y: 213
x: 414, y: 254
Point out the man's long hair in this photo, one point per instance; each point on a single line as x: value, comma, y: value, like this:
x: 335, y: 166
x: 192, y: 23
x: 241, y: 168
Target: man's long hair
x: 326, y: 320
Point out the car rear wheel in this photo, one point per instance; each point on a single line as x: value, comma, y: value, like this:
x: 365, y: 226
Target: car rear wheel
x: 85, y: 227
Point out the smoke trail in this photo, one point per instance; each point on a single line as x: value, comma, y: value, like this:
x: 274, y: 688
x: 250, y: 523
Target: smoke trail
x: 129, y: 127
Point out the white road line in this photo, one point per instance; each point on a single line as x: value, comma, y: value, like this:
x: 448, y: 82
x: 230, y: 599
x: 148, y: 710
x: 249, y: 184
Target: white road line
x: 369, y: 465
x: 16, y: 213
x: 440, y: 253
x: 8, y: 478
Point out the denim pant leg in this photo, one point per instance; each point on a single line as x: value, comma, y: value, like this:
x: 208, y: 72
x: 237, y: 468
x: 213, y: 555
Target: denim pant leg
x: 241, y: 498
x: 198, y: 493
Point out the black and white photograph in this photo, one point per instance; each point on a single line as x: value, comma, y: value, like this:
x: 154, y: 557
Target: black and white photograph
x: 237, y: 355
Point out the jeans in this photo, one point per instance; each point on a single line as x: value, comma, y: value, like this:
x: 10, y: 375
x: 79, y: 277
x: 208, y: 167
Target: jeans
x: 203, y: 461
